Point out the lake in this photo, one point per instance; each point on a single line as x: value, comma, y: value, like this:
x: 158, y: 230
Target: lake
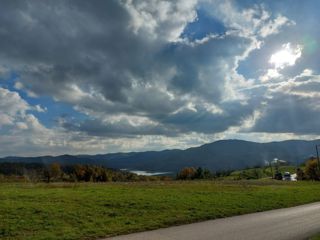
x: 146, y: 173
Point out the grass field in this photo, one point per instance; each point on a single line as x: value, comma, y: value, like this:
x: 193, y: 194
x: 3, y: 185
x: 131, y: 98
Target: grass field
x: 90, y: 211
x: 264, y: 172
x: 316, y: 237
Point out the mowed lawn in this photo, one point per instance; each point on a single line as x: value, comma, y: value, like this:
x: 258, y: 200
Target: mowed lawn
x: 90, y: 211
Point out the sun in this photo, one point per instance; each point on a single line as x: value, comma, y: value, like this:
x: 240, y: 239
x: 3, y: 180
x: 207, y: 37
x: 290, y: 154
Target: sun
x: 287, y: 56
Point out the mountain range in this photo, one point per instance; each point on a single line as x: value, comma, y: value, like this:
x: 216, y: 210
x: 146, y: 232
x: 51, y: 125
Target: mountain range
x: 216, y: 156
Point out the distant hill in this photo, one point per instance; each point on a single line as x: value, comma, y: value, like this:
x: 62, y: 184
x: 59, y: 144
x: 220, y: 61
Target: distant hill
x: 220, y: 155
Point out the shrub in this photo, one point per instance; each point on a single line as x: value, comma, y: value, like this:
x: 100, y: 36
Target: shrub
x: 300, y: 174
x: 312, y: 169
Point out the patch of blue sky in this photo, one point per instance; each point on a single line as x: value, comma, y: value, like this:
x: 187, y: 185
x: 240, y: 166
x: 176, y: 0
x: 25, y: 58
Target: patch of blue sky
x: 204, y: 25
x: 249, y: 67
x: 53, y: 109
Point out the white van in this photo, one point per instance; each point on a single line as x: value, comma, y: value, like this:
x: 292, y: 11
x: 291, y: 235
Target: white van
x: 286, y: 176
x: 289, y: 177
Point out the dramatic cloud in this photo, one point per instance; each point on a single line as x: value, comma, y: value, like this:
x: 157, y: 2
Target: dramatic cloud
x: 11, y: 107
x: 292, y: 106
x: 134, y: 74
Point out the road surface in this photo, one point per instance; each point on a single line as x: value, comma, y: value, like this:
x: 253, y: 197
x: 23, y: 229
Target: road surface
x: 289, y: 223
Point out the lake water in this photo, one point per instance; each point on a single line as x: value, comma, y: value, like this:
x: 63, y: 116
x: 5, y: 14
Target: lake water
x: 146, y: 173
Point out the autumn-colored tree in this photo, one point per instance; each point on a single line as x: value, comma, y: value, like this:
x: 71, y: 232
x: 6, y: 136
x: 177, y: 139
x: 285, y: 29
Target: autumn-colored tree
x: 79, y: 171
x: 55, y: 170
x: 187, y: 173
x: 52, y: 171
x: 312, y: 170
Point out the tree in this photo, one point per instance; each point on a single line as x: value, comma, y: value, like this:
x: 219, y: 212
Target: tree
x: 256, y: 173
x: 199, y: 173
x: 311, y: 170
x: 55, y: 170
x: 300, y: 174
x: 79, y: 171
x: 187, y: 173
x: 207, y: 174
x: 52, y: 171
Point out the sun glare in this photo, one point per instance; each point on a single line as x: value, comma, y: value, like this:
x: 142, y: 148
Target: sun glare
x: 286, y: 57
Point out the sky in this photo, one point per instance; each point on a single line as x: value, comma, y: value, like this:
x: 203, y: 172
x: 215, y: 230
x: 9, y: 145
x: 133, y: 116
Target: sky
x: 86, y: 77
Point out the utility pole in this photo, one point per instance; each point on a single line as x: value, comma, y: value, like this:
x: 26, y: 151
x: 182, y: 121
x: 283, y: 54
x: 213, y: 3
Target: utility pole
x: 318, y: 156
x: 270, y: 164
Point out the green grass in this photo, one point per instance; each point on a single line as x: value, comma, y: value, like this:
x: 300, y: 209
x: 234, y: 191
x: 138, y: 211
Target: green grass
x: 316, y: 237
x: 263, y: 172
x: 89, y: 211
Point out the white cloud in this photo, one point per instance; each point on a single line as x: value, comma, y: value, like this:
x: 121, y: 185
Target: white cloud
x: 21, y: 125
x: 160, y: 20
x: 11, y: 104
x: 273, y: 26
x: 124, y: 65
x: 270, y: 74
x: 5, y: 119
x: 14, y: 111
x: 287, y: 56
x: 255, y: 21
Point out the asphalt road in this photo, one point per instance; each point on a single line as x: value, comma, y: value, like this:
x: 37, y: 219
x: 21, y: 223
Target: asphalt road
x: 289, y: 223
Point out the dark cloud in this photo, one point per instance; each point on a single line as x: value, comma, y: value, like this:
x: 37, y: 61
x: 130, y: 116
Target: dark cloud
x: 286, y: 113
x: 71, y: 42
x: 203, y: 69
x: 204, y: 121
x: 118, y: 129
x: 124, y: 60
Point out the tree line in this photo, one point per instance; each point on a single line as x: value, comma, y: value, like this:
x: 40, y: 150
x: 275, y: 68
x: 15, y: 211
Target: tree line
x: 192, y: 173
x: 54, y: 172
x: 309, y: 171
